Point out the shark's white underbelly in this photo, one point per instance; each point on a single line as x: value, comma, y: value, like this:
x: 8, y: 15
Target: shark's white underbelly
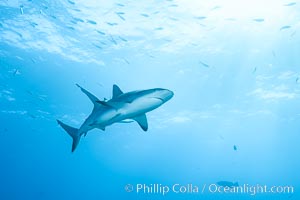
x: 124, y: 111
x: 138, y: 107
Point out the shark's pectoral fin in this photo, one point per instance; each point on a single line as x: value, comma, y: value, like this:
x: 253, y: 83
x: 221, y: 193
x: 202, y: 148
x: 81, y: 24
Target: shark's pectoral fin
x: 142, y: 121
x: 116, y: 91
x: 90, y: 96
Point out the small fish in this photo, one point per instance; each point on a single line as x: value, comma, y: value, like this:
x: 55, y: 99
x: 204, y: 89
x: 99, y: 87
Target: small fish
x: 73, y: 22
x: 42, y: 97
x: 33, y: 24
x: 19, y: 34
x: 99, y: 85
x: 71, y: 2
x: 126, y: 61
x: 274, y: 54
x: 230, y: 19
x: 144, y: 15
x: 123, y: 39
x: 71, y: 28
x: 78, y: 19
x: 151, y: 56
x: 292, y: 35
x: 201, y: 17
x: 291, y: 4
x: 173, y: 19
x: 45, y: 6
x: 77, y: 10
x: 112, y: 23
x: 297, y: 79
x: 32, y: 116
x: 259, y: 20
x: 99, y: 47
x: 16, y: 72
x: 254, y: 70
x: 119, y: 4
x: 216, y: 7
x: 235, y: 147
x: 120, y: 16
x: 33, y: 60
x: 100, y: 32
x: 91, y: 22
x: 113, y: 40
x: 19, y: 58
x: 29, y: 92
x: 159, y: 28
x: 204, y: 64
x: 284, y: 27
x: 21, y: 10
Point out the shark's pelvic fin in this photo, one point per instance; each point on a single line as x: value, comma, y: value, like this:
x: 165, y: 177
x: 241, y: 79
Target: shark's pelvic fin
x: 125, y: 121
x: 116, y: 91
x: 73, y: 132
x: 142, y: 121
x: 90, y: 96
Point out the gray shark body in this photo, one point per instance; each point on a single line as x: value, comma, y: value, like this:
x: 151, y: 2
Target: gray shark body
x: 121, y: 107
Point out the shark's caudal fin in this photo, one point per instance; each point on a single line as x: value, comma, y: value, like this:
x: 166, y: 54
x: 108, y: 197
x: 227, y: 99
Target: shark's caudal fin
x: 73, y: 132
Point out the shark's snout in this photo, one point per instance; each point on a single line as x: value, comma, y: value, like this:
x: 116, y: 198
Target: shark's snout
x: 165, y: 94
x: 168, y: 95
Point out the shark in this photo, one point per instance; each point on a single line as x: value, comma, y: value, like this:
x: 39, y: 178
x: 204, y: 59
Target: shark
x: 121, y: 108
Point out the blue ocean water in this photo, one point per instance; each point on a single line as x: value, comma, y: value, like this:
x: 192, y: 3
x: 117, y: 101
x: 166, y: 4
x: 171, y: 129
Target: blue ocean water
x: 234, y: 68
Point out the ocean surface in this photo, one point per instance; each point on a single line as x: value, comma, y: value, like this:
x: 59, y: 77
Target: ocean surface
x: 231, y: 131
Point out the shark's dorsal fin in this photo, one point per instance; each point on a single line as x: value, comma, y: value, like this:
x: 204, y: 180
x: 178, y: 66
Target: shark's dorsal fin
x: 90, y: 96
x: 116, y: 91
x: 142, y: 121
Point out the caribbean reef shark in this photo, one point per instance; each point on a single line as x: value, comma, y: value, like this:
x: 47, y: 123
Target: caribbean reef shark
x: 121, y: 107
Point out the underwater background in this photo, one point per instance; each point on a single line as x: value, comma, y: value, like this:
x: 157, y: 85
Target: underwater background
x: 234, y: 68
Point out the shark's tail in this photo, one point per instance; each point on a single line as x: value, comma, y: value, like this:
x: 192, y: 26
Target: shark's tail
x: 73, y: 132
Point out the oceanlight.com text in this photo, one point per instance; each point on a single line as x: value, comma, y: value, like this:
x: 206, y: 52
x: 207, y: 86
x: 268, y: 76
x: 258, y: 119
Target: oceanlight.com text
x: 164, y: 189
x: 250, y: 189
